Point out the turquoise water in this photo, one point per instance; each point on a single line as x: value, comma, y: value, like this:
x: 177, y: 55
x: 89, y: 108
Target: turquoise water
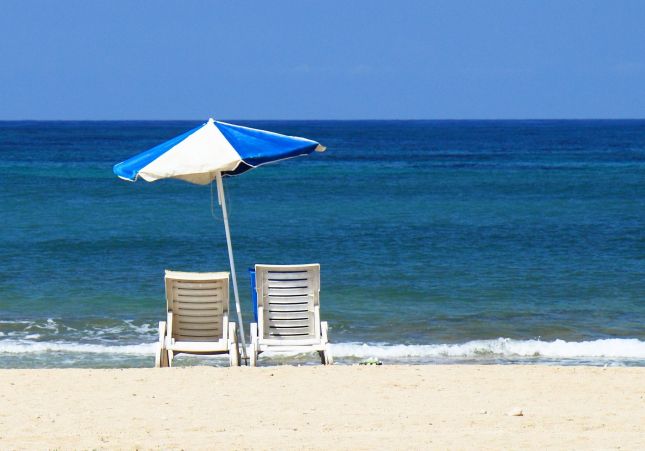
x: 439, y: 241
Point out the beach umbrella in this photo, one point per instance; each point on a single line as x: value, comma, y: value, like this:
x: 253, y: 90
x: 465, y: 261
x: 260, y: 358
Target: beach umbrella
x: 210, y: 152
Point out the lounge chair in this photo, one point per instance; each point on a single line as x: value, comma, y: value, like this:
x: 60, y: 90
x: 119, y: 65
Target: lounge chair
x: 288, y: 306
x: 197, y: 318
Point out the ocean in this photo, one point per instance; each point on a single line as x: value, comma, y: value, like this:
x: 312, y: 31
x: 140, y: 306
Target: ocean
x: 439, y: 241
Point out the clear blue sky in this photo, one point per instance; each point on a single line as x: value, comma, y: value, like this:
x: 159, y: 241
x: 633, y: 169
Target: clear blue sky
x: 321, y: 60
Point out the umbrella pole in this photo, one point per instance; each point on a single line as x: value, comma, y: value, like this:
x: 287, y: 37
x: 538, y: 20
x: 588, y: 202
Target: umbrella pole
x: 222, y: 201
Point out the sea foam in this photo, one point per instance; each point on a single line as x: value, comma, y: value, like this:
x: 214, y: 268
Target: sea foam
x: 612, y: 348
x: 501, y: 347
x: 31, y: 347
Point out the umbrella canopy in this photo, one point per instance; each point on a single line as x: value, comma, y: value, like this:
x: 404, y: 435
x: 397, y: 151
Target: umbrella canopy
x: 209, y: 152
x: 199, y: 154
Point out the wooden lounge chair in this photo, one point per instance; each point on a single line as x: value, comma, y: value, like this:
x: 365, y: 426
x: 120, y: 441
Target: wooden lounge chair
x: 288, y: 303
x: 197, y: 318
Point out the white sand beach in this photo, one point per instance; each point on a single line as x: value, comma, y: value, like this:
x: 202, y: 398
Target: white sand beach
x: 316, y: 407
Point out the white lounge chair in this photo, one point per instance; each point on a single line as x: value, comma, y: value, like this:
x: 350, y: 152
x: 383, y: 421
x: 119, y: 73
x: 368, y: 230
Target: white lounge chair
x: 197, y: 323
x: 288, y: 298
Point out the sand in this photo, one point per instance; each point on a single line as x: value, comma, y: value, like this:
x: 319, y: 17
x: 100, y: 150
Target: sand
x: 316, y: 407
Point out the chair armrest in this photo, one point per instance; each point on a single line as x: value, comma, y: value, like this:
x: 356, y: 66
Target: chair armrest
x: 317, y: 322
x: 254, y: 332
x: 232, y: 333
x: 169, y: 327
x: 225, y: 327
x: 260, y: 324
x: 162, y: 332
x: 323, y: 330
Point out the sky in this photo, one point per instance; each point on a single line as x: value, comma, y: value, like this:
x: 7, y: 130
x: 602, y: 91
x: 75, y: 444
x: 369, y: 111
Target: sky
x: 122, y: 60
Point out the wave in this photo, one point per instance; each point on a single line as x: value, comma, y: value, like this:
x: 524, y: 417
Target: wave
x: 31, y: 347
x: 628, y: 348
x: 613, y: 348
x: 93, y: 329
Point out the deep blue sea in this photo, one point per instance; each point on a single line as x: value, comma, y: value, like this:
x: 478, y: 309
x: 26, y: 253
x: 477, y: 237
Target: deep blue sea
x: 439, y: 241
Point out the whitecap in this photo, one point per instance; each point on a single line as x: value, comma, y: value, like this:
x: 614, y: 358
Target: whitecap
x: 30, y: 347
x: 630, y: 348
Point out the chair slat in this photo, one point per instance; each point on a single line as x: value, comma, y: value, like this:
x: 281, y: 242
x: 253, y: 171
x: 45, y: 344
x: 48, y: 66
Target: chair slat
x: 198, y: 299
x: 198, y: 334
x: 288, y: 308
x: 213, y: 329
x: 289, y: 299
x: 284, y: 331
x: 212, y: 307
x: 286, y: 275
x: 306, y: 322
x: 200, y: 319
x: 272, y: 291
x: 216, y: 294
x: 199, y: 326
x: 291, y: 283
x: 193, y: 285
x: 198, y: 313
x: 276, y: 315
x: 196, y: 338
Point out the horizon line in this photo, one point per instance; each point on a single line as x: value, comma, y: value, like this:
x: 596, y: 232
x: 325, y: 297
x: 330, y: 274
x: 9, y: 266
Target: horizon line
x: 334, y: 120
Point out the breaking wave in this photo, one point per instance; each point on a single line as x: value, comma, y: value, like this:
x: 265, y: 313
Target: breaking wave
x: 501, y: 347
x: 613, y: 348
x: 25, y: 346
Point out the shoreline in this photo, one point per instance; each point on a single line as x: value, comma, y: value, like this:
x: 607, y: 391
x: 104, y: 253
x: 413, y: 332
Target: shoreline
x: 316, y: 407
x: 629, y: 352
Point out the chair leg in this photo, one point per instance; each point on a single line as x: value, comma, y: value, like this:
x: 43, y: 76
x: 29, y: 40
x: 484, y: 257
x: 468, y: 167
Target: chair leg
x: 160, y: 352
x: 326, y: 356
x: 237, y: 357
x: 165, y: 362
x: 253, y: 354
x: 329, y: 359
x: 233, y: 349
x: 171, y: 355
x: 323, y: 360
x: 253, y: 357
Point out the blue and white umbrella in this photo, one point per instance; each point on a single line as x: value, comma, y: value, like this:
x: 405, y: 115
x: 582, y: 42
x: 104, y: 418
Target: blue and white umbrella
x: 213, y: 148
x: 209, y: 152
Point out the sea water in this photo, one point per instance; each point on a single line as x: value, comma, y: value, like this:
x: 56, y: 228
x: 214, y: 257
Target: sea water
x: 439, y: 241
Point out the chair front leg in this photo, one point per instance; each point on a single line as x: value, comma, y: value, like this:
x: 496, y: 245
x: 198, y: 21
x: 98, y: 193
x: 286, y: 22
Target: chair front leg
x: 233, y: 347
x: 326, y: 356
x: 254, y: 345
x: 160, y: 352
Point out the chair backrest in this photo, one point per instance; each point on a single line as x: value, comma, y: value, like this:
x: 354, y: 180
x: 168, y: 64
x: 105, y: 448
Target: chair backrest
x: 288, y: 301
x: 199, y: 304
